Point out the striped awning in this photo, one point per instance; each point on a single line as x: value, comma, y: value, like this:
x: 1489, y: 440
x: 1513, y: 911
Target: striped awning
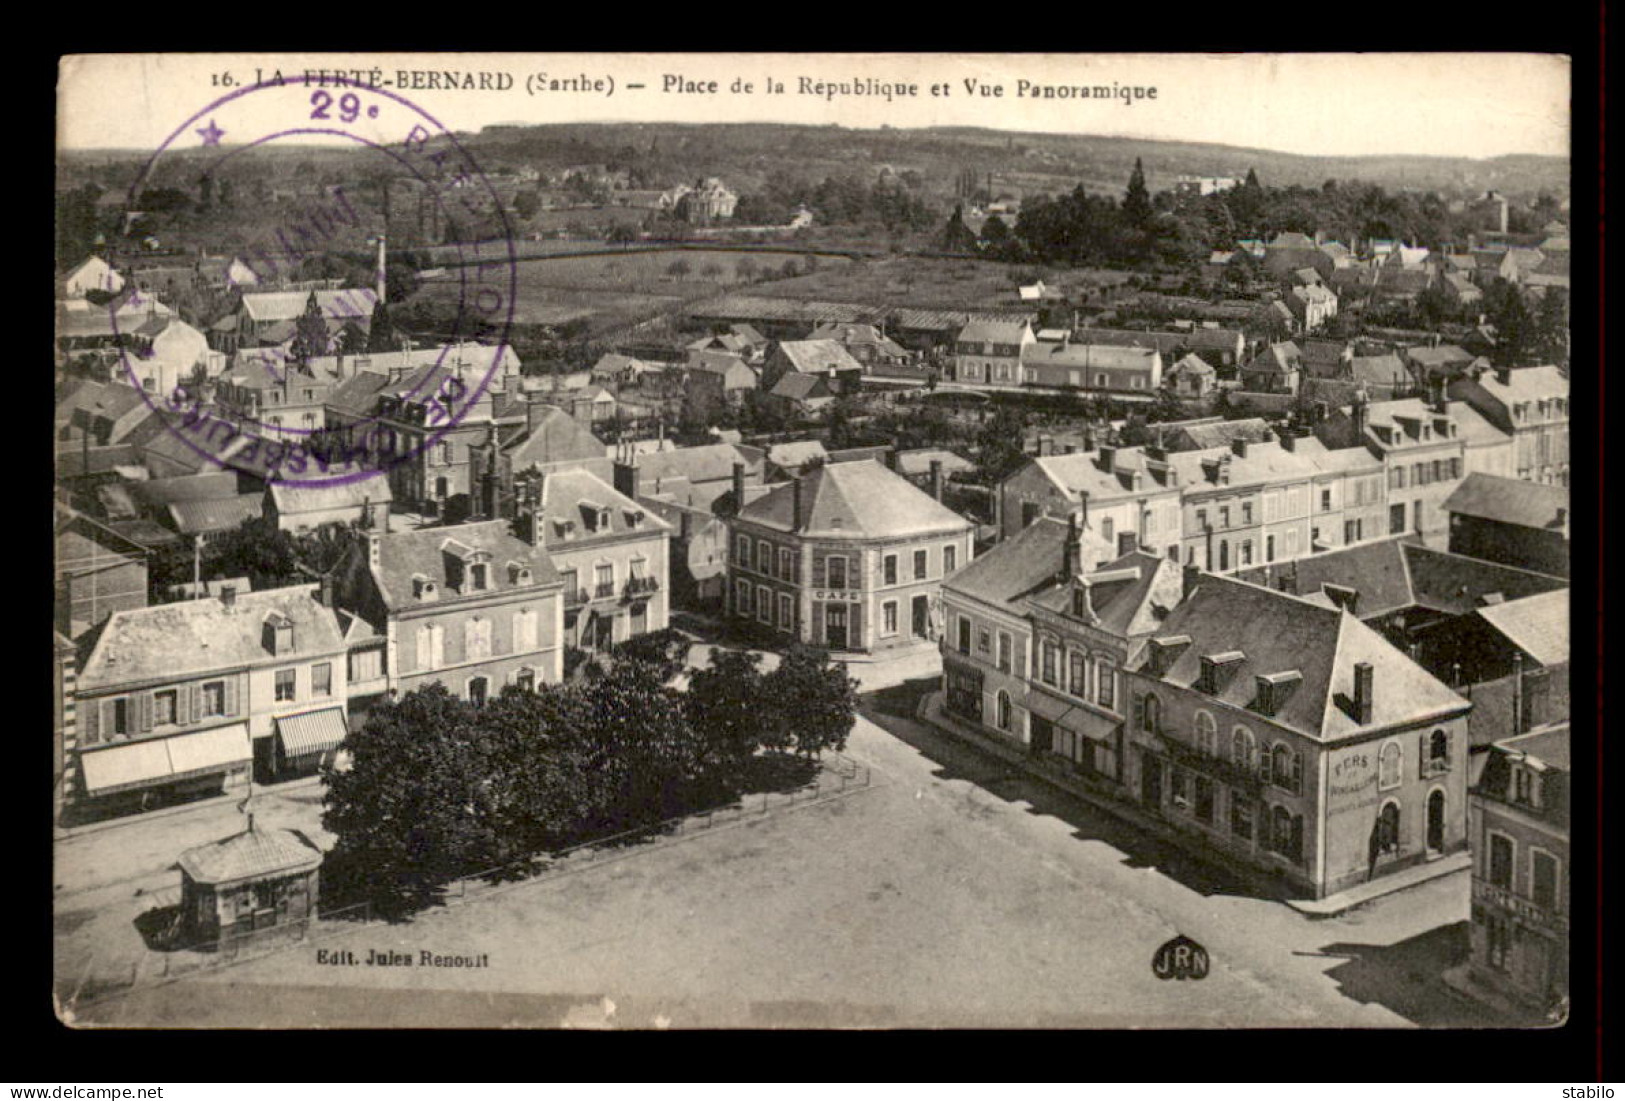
x: 311, y: 731
x: 163, y: 760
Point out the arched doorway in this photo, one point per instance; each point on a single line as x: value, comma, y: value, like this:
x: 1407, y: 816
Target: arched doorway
x: 1436, y: 821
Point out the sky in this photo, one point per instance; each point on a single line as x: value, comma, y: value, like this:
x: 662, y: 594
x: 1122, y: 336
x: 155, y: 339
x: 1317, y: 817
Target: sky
x: 1471, y: 105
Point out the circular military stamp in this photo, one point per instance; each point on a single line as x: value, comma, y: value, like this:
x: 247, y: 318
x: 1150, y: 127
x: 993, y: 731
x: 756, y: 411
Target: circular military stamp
x: 293, y: 387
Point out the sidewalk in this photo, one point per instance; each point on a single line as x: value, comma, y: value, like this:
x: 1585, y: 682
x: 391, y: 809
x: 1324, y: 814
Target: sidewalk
x: 1387, y: 885
x: 931, y: 712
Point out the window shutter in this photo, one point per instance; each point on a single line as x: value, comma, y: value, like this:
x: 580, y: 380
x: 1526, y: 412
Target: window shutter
x: 1297, y: 773
x: 231, y: 696
x: 90, y: 723
x: 1264, y: 762
x: 818, y: 571
x: 1139, y: 712
x: 183, y: 703
x: 1296, y: 851
x: 856, y: 615
x: 1421, y: 755
x: 143, y: 703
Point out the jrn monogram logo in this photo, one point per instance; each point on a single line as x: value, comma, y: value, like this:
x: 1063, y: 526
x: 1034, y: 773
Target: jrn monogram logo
x: 1181, y: 958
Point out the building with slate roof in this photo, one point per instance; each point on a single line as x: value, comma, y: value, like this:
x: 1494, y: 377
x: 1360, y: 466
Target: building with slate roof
x: 247, y: 885
x: 1037, y: 634
x: 1293, y: 739
x: 473, y: 606
x: 612, y: 555
x: 827, y: 359
x: 1531, y: 403
x: 1512, y: 521
x: 990, y: 349
x: 296, y: 506
x: 1422, y: 451
x: 183, y: 697
x: 849, y: 556
x: 1077, y: 365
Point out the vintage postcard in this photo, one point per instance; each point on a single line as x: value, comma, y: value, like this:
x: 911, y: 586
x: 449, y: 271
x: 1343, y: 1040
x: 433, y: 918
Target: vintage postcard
x: 783, y: 541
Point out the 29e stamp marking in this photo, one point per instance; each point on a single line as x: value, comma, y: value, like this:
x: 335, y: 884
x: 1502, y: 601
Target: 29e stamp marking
x: 415, y: 144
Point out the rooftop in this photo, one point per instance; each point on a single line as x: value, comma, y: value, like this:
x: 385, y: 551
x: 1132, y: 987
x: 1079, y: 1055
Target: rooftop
x: 855, y: 500
x: 1276, y: 633
x: 1537, y: 625
x: 1509, y: 501
x: 172, y: 641
x: 253, y: 854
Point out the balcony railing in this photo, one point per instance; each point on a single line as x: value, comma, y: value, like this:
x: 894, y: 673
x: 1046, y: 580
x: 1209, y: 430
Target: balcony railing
x: 575, y: 597
x: 1435, y: 766
x: 637, y: 586
x: 603, y: 589
x: 1523, y: 908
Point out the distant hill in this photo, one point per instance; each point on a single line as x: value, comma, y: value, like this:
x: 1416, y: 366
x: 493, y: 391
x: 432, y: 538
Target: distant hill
x: 670, y: 151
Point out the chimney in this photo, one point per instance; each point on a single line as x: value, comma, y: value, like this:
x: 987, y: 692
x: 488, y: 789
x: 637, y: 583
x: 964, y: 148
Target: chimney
x: 1289, y: 440
x: 383, y: 283
x: 531, y: 526
x: 324, y: 590
x: 534, y: 412
x: 1072, y: 552
x: 1127, y: 543
x: 228, y: 596
x: 798, y: 499
x: 890, y: 458
x: 374, y: 545
x: 1562, y: 517
x: 1361, y: 415
x: 1108, y: 459
x: 628, y: 478
x: 1189, y: 577
x: 739, y: 488
x: 1503, y: 375
x: 1362, y: 692
x: 936, y: 479
x: 1046, y: 446
x: 1239, y: 446
x: 1518, y: 717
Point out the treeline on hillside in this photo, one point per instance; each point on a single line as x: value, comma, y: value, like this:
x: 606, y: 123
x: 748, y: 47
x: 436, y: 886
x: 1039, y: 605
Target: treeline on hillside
x: 1173, y: 229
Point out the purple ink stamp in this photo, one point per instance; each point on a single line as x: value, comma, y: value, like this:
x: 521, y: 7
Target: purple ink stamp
x: 428, y: 393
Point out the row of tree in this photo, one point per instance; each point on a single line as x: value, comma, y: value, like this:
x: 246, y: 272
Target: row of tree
x: 1179, y: 227
x: 437, y: 787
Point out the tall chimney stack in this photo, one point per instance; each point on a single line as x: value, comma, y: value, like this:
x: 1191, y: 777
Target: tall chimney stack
x: 739, y: 488
x: 1362, y: 692
x: 383, y: 283
x: 1072, y: 560
x: 798, y: 500
x: 936, y: 478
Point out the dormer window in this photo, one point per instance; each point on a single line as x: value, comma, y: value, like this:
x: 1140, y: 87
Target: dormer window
x: 1217, y: 669
x: 423, y: 588
x: 603, y: 519
x: 278, y: 633
x: 518, y: 574
x: 478, y: 577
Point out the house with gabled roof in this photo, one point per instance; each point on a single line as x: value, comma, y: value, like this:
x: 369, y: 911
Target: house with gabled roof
x: 90, y: 274
x: 989, y: 349
x: 1294, y: 741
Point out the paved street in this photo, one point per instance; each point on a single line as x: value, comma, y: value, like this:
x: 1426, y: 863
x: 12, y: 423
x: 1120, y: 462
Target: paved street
x: 951, y: 893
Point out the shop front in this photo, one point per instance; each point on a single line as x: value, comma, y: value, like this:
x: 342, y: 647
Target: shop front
x: 307, y: 741
x: 160, y: 769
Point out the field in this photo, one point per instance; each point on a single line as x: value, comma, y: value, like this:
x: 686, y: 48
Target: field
x: 616, y: 289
